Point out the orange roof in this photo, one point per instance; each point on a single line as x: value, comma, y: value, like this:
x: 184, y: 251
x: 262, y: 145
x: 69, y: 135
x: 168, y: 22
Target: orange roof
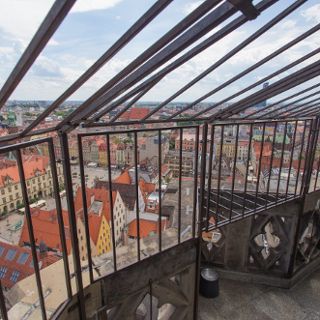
x: 31, y: 164
x: 135, y: 114
x: 124, y: 178
x: 146, y: 187
x: 146, y: 227
x: 46, y: 229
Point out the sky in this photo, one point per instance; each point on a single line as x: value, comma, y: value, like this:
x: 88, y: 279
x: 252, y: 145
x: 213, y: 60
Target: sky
x: 93, y: 26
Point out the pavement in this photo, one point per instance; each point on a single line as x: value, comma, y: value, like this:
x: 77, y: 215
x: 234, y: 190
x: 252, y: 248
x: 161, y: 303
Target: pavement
x: 246, y: 301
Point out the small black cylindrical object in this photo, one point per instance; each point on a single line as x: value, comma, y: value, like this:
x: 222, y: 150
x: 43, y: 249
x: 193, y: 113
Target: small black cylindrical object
x: 209, y: 283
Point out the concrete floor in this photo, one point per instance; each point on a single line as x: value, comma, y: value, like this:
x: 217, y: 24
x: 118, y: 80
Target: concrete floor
x: 244, y: 301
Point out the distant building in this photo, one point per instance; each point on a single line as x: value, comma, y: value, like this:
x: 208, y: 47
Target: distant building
x: 38, y: 180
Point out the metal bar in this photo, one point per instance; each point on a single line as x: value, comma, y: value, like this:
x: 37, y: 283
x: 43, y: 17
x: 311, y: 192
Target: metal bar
x: 72, y: 223
x: 291, y: 156
x: 203, y: 173
x: 26, y: 144
x: 3, y: 307
x: 137, y: 191
x: 308, y: 156
x: 247, y: 169
x: 125, y: 131
x: 142, y: 58
x: 31, y: 233
x: 308, y: 110
x: 281, y: 158
x: 271, y: 160
x: 114, y: 251
x: 50, y: 24
x: 292, y: 103
x: 195, y: 193
x: 131, y: 103
x: 180, y: 184
x: 233, y: 52
x: 200, y: 226
x: 219, y: 168
x: 311, y: 154
x: 223, y: 60
x: 57, y: 198
x: 85, y: 207
x: 239, y: 197
x: 317, y: 172
x: 234, y: 169
x: 209, y: 174
x: 253, y: 67
x: 314, y: 146
x: 300, y: 157
x: 259, y: 165
x: 139, y: 25
x: 284, y: 84
x: 194, y: 33
x: 314, y: 112
x: 282, y: 100
x: 160, y: 186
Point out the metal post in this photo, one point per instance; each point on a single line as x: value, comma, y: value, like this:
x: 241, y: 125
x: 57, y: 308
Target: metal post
x: 55, y: 183
x: 160, y: 191
x: 234, y: 171
x: 247, y: 170
x: 31, y: 234
x: 180, y: 185
x: 291, y: 156
x: 271, y: 161
x: 137, y: 191
x: 85, y: 207
x: 210, y: 177
x: 195, y: 194
x: 259, y: 166
x: 201, y: 202
x: 114, y: 252
x: 73, y: 223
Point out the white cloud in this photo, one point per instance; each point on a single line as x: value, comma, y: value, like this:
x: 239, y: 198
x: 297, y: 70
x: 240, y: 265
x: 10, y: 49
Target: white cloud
x: 312, y: 14
x: 91, y: 5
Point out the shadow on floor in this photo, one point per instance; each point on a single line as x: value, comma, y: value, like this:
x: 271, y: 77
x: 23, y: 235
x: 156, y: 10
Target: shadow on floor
x: 245, y: 301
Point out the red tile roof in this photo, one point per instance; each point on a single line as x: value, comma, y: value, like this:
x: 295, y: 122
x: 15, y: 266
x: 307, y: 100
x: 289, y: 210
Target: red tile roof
x: 46, y: 229
x: 146, y: 227
x: 16, y: 263
x: 124, y: 178
x: 135, y: 114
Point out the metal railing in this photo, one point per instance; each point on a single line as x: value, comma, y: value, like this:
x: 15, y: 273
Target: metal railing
x: 240, y: 169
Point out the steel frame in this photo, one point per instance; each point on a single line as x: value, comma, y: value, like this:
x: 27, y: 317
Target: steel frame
x: 133, y: 82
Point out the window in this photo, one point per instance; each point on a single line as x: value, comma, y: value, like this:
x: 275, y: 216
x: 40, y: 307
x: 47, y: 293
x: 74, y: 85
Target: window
x: 14, y: 276
x: 2, y: 191
x: 23, y: 258
x: 10, y: 189
x: 16, y: 187
x: 17, y: 195
x: 3, y: 271
x: 1, y: 251
x: 11, y: 254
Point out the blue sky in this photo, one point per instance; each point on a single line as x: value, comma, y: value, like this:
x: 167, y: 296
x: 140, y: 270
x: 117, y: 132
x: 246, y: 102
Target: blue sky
x: 93, y: 25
